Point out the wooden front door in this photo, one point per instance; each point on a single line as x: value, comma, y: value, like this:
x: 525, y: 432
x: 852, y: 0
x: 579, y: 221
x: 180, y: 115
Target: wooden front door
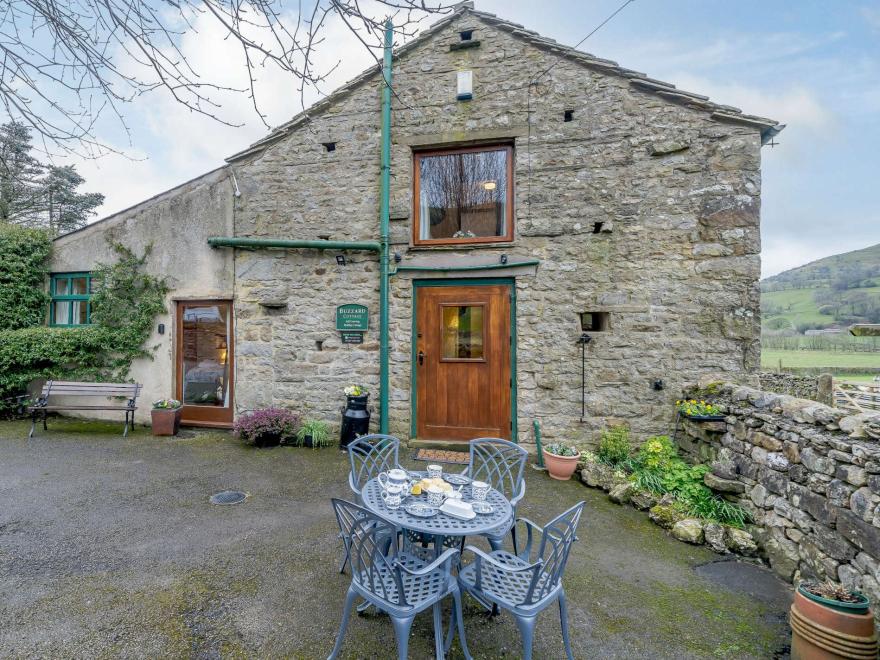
x: 205, y: 350
x: 463, y: 344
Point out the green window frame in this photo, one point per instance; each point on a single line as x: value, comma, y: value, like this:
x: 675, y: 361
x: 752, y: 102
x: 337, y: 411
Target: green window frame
x: 71, y: 299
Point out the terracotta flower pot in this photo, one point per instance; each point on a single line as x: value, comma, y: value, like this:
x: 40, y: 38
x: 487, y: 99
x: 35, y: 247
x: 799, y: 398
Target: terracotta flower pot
x: 166, y: 421
x: 560, y: 467
x: 822, y: 632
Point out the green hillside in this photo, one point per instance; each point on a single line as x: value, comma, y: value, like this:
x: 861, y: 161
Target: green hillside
x: 831, y: 292
x: 847, y: 267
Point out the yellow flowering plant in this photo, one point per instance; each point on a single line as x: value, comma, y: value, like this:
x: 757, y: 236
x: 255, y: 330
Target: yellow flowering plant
x: 694, y: 408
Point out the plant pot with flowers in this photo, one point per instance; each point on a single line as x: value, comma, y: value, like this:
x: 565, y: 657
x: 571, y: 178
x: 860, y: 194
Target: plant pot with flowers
x: 699, y: 411
x: 267, y: 427
x: 165, y: 417
x: 560, y: 460
x: 830, y: 621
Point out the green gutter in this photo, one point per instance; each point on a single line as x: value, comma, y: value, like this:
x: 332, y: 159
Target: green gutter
x: 452, y: 269
x: 384, y: 202
x: 262, y: 243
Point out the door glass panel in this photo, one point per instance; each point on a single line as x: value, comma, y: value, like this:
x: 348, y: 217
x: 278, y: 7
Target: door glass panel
x: 205, y: 345
x: 79, y: 286
x: 463, y: 332
x: 62, y: 312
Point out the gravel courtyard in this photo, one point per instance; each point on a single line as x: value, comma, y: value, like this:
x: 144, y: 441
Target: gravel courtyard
x: 110, y: 548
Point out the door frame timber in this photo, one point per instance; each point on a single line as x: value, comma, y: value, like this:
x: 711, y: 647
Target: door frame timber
x: 510, y: 283
x: 177, y: 343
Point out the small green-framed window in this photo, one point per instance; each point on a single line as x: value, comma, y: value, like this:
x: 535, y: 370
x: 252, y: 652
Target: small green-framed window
x: 71, y: 299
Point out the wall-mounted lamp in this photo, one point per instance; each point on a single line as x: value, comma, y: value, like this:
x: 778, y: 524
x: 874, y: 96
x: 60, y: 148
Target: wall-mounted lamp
x: 161, y: 329
x: 503, y: 258
x: 398, y: 257
x: 658, y: 384
x: 340, y: 259
x: 584, y: 339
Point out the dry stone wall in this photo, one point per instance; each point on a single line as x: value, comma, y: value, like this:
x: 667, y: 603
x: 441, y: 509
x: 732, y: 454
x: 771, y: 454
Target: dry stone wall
x: 817, y: 388
x: 675, y: 261
x: 810, y: 475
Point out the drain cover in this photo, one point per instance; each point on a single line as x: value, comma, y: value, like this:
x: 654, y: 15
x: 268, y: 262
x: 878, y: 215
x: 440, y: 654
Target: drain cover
x: 228, y: 497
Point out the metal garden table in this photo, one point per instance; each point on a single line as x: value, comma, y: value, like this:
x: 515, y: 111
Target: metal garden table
x: 442, y: 525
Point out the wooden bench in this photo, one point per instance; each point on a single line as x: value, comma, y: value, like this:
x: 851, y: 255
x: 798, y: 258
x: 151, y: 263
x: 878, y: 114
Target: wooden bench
x: 129, y: 391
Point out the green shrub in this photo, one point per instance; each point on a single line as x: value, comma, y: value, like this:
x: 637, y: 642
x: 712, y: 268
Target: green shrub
x: 124, y: 307
x: 614, y: 445
x: 24, y: 255
x: 657, y: 468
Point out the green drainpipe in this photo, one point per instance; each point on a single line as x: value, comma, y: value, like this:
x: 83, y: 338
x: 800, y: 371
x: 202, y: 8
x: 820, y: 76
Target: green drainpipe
x: 266, y: 243
x: 383, y: 230
x: 537, y: 428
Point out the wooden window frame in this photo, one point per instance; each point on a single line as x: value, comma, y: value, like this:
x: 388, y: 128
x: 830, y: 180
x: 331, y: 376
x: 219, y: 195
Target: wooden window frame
x: 70, y: 297
x: 417, y: 157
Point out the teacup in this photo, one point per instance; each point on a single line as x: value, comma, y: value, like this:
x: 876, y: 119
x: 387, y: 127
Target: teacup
x: 436, y: 496
x: 479, y: 490
x: 435, y: 471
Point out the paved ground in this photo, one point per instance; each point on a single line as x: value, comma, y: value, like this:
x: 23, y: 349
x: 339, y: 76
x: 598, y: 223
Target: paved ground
x: 109, y: 548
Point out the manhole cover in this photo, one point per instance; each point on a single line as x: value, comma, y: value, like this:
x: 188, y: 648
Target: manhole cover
x: 228, y: 497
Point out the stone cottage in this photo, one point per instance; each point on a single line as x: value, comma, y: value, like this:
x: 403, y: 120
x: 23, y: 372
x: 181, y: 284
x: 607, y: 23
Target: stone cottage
x: 570, y: 242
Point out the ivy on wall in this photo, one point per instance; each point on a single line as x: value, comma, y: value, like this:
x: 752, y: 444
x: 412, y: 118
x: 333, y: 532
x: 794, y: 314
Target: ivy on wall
x: 125, y: 303
x: 23, y: 257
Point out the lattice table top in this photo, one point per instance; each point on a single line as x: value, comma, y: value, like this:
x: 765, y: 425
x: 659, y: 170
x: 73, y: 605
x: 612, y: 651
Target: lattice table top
x: 441, y: 524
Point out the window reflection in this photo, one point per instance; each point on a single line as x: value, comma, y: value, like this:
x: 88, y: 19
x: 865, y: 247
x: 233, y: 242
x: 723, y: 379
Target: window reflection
x: 205, y: 349
x: 463, y: 195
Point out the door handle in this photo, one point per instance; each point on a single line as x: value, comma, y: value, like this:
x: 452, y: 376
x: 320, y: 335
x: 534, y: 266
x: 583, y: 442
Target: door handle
x: 421, y: 357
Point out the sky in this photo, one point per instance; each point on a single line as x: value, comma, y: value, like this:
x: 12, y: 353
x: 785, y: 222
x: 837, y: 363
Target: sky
x: 812, y: 65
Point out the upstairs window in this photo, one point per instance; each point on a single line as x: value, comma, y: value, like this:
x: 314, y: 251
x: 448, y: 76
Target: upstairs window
x: 463, y: 195
x: 71, y: 294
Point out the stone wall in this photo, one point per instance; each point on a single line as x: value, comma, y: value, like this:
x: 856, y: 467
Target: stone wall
x: 817, y: 388
x: 810, y: 475
x: 675, y: 262
x: 175, y: 227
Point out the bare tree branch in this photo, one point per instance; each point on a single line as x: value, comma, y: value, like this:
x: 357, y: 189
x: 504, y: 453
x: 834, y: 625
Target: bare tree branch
x: 65, y: 64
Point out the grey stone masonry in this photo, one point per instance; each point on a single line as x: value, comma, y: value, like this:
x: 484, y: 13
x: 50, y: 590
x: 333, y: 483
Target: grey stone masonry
x: 817, y: 388
x: 808, y: 473
x: 675, y: 262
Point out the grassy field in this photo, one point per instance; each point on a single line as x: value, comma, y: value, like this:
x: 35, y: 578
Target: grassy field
x: 799, y: 307
x: 826, y: 360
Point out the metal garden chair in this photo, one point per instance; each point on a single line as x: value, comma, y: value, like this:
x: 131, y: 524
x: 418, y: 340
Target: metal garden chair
x: 528, y: 583
x: 500, y: 463
x: 369, y: 455
x: 397, y: 583
x: 346, y: 514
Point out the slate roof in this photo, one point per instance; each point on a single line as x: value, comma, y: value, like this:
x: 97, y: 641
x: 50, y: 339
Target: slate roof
x: 725, y: 113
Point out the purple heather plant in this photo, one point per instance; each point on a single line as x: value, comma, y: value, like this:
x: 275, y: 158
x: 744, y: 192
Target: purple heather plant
x: 267, y: 426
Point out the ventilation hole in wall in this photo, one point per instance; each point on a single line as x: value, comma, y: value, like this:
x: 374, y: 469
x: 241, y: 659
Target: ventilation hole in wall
x: 568, y: 115
x: 594, y: 321
x: 597, y: 227
x: 466, y: 35
x: 319, y: 344
x: 329, y: 146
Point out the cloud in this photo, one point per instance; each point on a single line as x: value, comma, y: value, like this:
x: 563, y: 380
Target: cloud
x: 872, y: 17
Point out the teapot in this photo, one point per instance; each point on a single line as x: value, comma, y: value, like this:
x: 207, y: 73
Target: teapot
x: 396, y: 477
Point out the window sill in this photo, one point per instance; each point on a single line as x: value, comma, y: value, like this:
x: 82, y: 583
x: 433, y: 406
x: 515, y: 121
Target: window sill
x: 429, y: 247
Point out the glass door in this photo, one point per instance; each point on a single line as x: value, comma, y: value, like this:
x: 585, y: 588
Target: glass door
x: 204, y: 362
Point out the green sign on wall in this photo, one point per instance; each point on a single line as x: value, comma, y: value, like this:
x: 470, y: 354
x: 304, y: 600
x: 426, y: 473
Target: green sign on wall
x: 352, y: 317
